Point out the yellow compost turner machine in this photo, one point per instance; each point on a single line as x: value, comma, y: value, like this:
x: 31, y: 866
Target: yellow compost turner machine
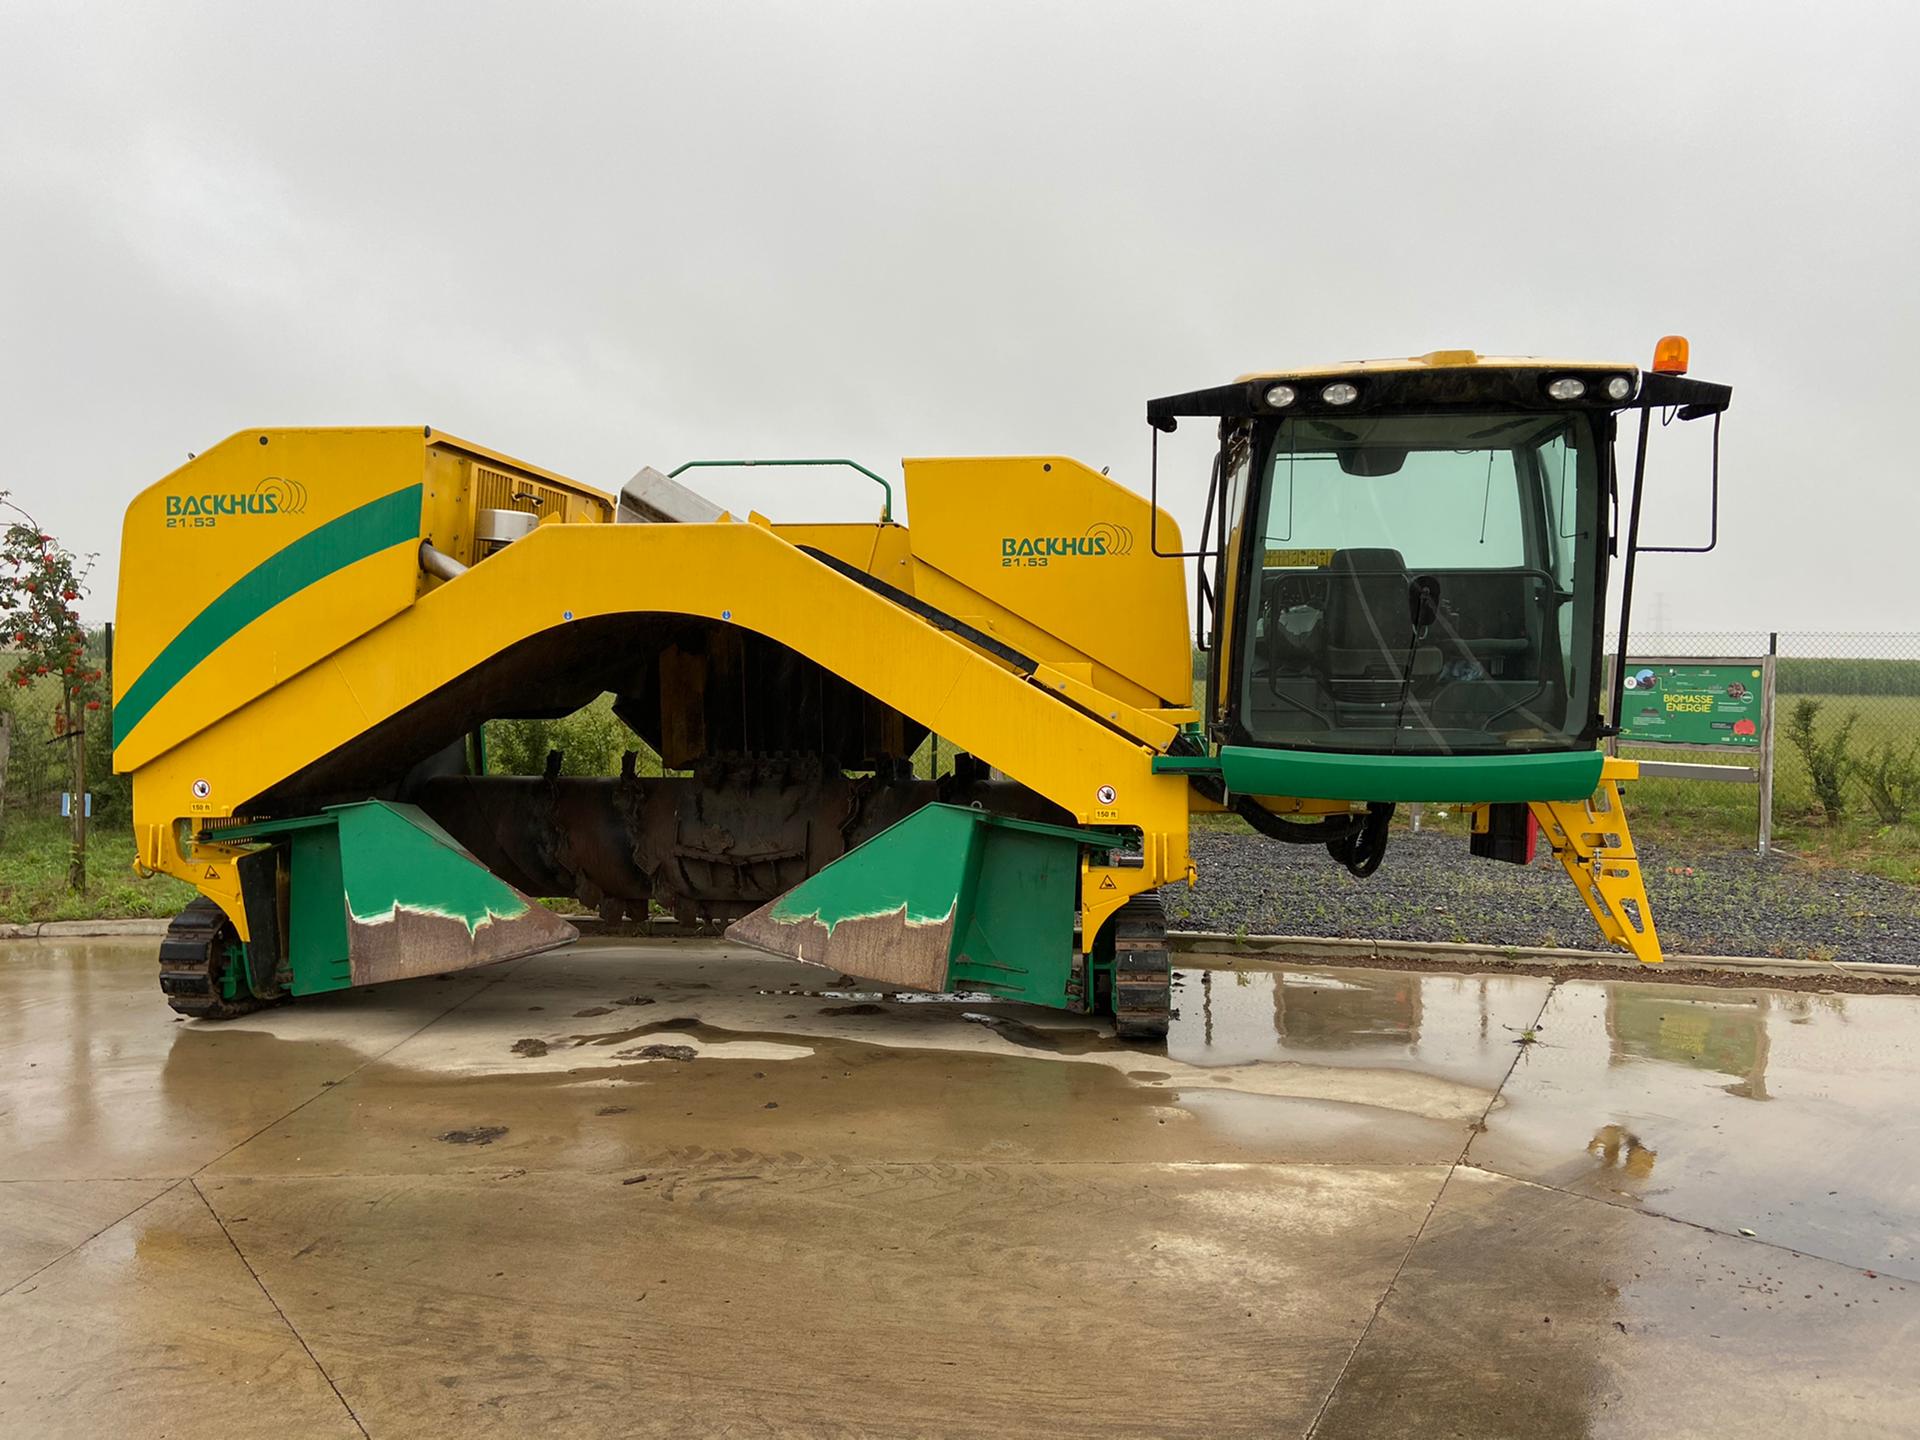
x: 1402, y: 582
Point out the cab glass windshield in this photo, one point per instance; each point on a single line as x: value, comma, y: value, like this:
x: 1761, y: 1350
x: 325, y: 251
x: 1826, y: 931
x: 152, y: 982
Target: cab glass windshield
x: 1421, y: 583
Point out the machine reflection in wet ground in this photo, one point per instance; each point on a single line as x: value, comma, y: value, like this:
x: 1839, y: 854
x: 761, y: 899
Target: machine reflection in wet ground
x: 519, y: 1200
x: 1458, y: 1026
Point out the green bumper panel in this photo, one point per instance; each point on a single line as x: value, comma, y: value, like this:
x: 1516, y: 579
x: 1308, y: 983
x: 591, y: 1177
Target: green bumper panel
x: 1454, y: 779
x: 379, y: 892
x: 948, y: 899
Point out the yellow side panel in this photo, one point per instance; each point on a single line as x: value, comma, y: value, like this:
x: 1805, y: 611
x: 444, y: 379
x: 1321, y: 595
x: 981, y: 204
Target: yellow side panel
x: 277, y: 547
x: 447, y: 507
x: 885, y: 552
x: 1065, y: 548
x: 738, y: 574
x: 943, y: 592
x: 253, y: 561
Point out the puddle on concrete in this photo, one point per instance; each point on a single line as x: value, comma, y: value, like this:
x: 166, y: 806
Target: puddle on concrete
x: 1787, y: 1114
x: 101, y: 1081
x: 1525, y: 1311
x: 1456, y: 1027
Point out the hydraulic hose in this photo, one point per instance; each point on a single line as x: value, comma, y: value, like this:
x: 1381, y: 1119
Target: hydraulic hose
x: 1329, y: 831
x: 1363, y: 850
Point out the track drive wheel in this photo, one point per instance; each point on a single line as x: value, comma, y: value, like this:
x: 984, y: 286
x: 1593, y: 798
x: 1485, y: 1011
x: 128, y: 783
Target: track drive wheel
x: 193, y: 959
x: 1142, y: 970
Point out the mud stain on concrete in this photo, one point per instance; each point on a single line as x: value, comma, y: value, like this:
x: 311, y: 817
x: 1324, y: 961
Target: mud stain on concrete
x: 478, y: 1135
x: 659, y: 1052
x: 1084, y: 1041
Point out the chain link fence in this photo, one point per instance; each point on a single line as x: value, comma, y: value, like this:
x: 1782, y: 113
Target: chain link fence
x: 1847, y: 747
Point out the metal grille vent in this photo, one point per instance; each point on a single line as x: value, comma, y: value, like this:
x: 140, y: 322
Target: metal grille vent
x: 501, y: 490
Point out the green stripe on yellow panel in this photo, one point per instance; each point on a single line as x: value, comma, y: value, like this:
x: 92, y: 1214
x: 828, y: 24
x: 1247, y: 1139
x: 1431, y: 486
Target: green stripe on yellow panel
x: 345, y: 540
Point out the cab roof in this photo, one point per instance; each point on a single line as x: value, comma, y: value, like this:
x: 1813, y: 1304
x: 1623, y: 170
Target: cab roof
x: 1436, y: 360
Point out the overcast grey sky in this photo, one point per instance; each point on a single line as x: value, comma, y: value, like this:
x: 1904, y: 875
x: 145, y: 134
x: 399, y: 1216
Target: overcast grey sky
x: 598, y: 236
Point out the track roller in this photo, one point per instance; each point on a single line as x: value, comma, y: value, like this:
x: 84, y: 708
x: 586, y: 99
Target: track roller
x: 1142, y: 970
x: 193, y: 958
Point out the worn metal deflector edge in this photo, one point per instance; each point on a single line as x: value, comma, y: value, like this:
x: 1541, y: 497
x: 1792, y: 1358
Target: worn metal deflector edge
x: 377, y: 891
x: 950, y: 898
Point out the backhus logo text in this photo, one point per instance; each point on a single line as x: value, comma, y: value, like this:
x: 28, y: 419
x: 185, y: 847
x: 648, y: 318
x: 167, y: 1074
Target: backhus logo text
x: 1101, y: 539
x: 272, y: 496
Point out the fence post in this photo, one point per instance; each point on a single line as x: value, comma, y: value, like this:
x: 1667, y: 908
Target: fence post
x: 1767, y: 741
x: 6, y: 756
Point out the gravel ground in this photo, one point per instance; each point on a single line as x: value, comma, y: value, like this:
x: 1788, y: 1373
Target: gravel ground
x: 1430, y: 888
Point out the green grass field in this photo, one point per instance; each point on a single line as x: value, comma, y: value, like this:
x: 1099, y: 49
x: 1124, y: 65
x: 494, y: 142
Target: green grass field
x: 1705, y: 812
x: 33, y: 875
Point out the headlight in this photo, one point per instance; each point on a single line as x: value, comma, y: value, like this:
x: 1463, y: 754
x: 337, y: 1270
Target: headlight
x: 1566, y: 388
x: 1340, y: 393
x: 1619, y: 388
x: 1281, y: 396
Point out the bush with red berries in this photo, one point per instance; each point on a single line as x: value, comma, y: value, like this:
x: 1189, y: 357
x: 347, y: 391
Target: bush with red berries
x: 41, y: 581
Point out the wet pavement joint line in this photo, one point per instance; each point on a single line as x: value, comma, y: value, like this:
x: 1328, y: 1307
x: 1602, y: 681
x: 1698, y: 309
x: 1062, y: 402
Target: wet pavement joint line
x: 168, y: 1180
x: 1878, y: 1271
x: 507, y: 972
x: 300, y: 1339
x: 1386, y: 1293
x: 1433, y: 1205
x: 492, y: 1173
x: 167, y: 1189
x: 1520, y: 1048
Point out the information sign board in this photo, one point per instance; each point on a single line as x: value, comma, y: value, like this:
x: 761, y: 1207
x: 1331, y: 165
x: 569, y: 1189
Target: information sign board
x: 1691, y: 703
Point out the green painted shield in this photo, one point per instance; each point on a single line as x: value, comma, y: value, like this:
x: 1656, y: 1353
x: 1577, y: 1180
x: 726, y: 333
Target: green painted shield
x: 379, y: 892
x: 950, y: 898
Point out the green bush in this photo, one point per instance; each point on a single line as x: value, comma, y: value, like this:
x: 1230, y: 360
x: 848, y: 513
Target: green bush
x: 1891, y: 778
x: 1826, y: 760
x: 590, y: 741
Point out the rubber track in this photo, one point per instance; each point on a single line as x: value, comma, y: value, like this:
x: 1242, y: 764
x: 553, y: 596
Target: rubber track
x: 1142, y: 970
x: 191, y: 954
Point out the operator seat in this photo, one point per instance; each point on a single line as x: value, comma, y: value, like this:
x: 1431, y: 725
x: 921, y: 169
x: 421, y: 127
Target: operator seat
x: 1368, y: 632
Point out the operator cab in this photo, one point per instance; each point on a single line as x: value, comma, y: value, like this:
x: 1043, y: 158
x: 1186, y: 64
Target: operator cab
x: 1410, y: 556
x: 1414, y: 580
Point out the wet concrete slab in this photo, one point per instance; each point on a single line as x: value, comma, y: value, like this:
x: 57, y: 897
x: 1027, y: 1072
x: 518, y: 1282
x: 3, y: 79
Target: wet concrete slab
x: 156, y: 1328
x: 1789, y: 1115
x: 41, y: 1220
x: 670, y: 1188
x: 1533, y: 1313
x: 753, y: 1293
x: 104, y: 1082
